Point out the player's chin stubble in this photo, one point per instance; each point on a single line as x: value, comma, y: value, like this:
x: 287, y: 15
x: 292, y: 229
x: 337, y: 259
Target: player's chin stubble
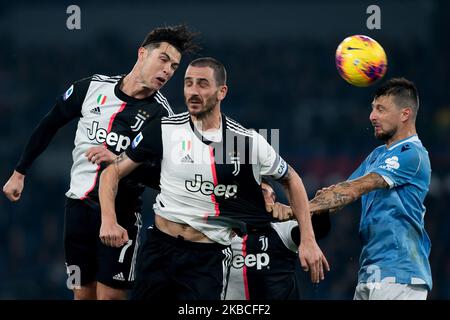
x: 385, y: 136
x: 207, y: 109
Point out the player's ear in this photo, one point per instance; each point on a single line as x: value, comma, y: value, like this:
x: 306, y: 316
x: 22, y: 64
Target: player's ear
x: 142, y: 53
x: 222, y: 92
x: 406, y: 113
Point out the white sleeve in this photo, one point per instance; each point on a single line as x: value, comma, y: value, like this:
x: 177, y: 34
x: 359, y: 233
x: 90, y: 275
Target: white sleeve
x: 266, y: 162
x: 284, y: 230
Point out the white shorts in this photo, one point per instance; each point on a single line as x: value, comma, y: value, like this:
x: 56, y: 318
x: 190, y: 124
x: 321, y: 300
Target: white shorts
x: 390, y: 291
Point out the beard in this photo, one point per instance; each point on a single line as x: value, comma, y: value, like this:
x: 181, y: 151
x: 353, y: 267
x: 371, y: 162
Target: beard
x: 385, y: 135
x: 208, y: 107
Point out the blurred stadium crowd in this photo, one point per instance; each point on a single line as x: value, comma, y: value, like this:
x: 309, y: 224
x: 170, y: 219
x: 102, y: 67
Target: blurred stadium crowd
x: 284, y: 84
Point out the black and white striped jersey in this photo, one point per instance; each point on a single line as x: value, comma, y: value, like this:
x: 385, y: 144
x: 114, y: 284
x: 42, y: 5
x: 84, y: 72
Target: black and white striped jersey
x: 106, y: 116
x: 247, y: 258
x: 211, y: 186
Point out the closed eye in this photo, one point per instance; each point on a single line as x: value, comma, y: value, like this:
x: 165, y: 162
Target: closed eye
x: 203, y: 83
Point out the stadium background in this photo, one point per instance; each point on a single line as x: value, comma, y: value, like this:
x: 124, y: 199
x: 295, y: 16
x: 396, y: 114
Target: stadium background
x: 280, y: 59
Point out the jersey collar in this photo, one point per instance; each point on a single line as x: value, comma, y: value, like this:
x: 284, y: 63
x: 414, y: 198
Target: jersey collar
x: 412, y: 138
x: 202, y: 138
x: 126, y: 98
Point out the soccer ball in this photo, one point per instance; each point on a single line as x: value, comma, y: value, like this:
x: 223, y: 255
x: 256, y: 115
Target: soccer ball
x: 360, y: 60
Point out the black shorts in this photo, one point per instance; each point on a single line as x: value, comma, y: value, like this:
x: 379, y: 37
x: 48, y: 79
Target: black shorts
x: 269, y: 269
x: 175, y: 269
x: 85, y: 252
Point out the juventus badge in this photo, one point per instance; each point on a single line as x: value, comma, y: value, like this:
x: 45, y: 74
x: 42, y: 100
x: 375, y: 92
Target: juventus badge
x: 264, y: 243
x: 139, y: 122
x: 237, y: 165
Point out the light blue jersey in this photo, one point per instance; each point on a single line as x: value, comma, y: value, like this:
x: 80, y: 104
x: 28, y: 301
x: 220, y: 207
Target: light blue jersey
x: 396, y: 246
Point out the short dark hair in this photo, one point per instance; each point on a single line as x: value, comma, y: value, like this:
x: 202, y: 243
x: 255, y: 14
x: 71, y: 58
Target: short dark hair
x: 404, y: 92
x: 178, y: 36
x: 220, y: 74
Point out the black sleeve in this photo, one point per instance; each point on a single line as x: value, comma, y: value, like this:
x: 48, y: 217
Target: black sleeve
x: 67, y: 108
x: 148, y: 174
x: 321, y: 225
x: 295, y: 235
x: 147, y: 145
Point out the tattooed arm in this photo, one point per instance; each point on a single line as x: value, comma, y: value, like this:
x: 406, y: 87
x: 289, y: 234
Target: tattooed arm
x: 311, y: 257
x: 346, y: 192
x: 111, y: 233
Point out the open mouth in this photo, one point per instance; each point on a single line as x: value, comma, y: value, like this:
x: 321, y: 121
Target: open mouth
x: 160, y: 79
x: 377, y: 127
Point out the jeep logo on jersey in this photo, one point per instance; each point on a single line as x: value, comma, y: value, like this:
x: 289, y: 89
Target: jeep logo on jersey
x: 208, y: 188
x: 259, y: 260
x: 112, y: 139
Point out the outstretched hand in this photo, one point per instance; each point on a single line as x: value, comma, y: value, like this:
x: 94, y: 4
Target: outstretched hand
x: 318, y: 193
x: 313, y: 260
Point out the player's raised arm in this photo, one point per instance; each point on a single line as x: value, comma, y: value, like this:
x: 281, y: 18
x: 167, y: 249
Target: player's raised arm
x: 111, y: 233
x: 66, y: 108
x: 145, y: 146
x: 311, y: 257
x: 346, y: 192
